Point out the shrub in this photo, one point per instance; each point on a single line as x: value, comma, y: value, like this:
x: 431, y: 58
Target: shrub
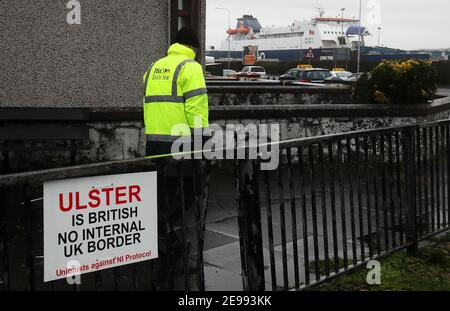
x: 443, y: 72
x: 397, y: 82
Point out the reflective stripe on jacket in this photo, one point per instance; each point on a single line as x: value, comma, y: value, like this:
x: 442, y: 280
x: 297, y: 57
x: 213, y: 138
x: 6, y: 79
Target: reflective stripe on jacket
x: 175, y: 94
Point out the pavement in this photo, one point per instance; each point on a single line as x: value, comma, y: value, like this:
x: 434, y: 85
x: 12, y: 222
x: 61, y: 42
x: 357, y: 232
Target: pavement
x: 222, y: 250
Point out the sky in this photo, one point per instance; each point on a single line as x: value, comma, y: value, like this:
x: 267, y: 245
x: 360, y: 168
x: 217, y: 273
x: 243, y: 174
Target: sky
x: 405, y: 24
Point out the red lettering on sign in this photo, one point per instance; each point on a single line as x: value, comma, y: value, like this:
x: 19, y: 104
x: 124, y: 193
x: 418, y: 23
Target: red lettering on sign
x: 100, y: 197
x: 94, y: 196
x: 78, y: 205
x: 61, y: 203
x: 108, y: 191
x: 120, y: 193
x: 134, y: 192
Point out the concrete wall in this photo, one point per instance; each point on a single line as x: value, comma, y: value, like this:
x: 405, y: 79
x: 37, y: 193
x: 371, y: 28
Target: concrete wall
x: 124, y: 140
x: 45, y: 62
x: 119, y: 134
x: 276, y: 95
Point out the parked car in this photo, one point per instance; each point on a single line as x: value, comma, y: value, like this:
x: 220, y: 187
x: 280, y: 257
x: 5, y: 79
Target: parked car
x: 229, y: 73
x: 253, y: 70
x: 343, y: 76
x: 355, y: 77
x: 308, y: 75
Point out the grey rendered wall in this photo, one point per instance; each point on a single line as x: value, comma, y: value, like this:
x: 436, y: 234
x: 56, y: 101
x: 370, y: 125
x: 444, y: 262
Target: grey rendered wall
x: 45, y: 62
x: 202, y: 30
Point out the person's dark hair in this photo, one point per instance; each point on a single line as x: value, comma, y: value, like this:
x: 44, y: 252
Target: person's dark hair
x: 187, y: 36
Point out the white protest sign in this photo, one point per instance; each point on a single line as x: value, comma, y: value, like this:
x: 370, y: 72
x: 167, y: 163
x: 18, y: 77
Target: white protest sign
x: 99, y: 222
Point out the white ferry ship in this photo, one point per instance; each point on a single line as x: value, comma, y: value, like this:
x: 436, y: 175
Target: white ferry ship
x: 324, y: 35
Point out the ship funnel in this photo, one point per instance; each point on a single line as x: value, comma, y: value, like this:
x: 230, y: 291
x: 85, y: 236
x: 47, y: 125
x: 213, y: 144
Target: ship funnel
x: 250, y: 22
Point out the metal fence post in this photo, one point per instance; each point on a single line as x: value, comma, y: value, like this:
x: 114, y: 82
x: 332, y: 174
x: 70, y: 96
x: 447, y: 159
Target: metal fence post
x: 201, y: 190
x: 410, y: 181
x: 5, y: 168
x: 250, y: 231
x: 4, y: 240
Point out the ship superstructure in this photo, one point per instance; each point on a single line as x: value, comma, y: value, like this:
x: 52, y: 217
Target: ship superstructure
x: 291, y: 42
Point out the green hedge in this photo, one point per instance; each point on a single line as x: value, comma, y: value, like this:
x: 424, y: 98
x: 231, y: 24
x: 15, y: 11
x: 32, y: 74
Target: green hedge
x: 443, y: 72
x: 397, y: 82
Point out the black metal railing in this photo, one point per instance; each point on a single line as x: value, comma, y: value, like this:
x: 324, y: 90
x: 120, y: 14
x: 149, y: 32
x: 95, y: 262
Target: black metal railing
x: 334, y: 203
x: 339, y: 201
x: 21, y: 229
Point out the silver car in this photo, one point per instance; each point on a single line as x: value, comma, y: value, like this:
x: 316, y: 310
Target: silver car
x: 255, y: 69
x: 343, y: 75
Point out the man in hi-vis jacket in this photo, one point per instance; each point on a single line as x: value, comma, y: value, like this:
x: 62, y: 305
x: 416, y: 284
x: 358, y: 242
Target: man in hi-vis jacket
x: 175, y: 108
x: 175, y: 99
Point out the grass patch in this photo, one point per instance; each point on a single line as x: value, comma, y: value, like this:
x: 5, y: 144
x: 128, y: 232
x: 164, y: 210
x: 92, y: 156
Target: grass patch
x: 430, y: 271
x: 331, y: 265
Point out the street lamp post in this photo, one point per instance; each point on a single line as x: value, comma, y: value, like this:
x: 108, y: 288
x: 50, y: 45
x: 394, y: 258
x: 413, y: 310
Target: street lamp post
x: 379, y: 35
x: 229, y: 35
x: 359, y: 37
x: 342, y: 32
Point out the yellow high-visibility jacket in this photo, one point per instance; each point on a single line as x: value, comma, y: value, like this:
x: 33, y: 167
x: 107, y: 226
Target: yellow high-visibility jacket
x: 175, y: 95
